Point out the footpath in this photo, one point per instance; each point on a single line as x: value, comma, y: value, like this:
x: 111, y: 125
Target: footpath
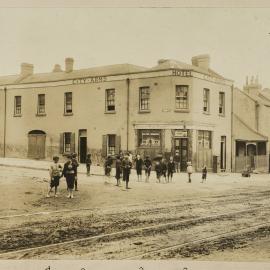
x: 43, y: 165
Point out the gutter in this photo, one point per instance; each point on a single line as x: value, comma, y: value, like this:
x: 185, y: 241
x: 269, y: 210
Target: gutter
x: 232, y: 142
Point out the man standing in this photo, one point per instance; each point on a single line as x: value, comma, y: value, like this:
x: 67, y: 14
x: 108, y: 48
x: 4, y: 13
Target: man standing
x: 126, y: 165
x: 177, y: 162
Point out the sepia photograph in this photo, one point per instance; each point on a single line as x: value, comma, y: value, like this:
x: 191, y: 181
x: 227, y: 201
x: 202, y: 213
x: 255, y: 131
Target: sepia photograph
x: 135, y: 133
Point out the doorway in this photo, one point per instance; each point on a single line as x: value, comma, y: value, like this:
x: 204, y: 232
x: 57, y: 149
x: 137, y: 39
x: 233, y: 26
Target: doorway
x: 223, y: 153
x: 181, y: 148
x: 36, y: 144
x: 82, y: 145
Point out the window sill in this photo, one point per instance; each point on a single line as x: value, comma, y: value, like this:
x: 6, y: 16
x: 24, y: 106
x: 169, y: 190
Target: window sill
x: 144, y: 111
x: 222, y: 115
x: 206, y: 113
x: 68, y: 114
x: 41, y: 114
x: 17, y: 115
x: 110, y: 112
x: 181, y: 110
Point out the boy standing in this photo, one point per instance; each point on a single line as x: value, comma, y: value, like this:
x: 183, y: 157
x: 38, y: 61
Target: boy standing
x: 171, y: 169
x: 88, y: 162
x: 118, y: 170
x: 148, y: 166
x: 126, y: 165
x: 204, y: 174
x: 55, y: 172
x: 158, y: 171
x: 76, y: 165
x: 189, y: 171
x: 164, y: 169
x: 139, y: 165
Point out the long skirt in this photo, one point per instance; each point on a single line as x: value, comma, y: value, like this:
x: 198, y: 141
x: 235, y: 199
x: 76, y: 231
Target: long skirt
x: 70, y: 181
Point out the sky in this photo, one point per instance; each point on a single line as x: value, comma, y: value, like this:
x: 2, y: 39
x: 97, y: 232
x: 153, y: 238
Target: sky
x: 237, y: 39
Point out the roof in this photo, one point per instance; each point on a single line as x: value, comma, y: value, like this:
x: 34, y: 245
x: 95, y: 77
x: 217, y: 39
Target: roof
x: 245, y: 132
x: 174, y: 64
x: 81, y: 73
x: 116, y: 69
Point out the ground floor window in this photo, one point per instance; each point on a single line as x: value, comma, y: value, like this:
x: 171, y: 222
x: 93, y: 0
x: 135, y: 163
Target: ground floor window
x: 205, y: 139
x: 149, y: 138
x: 67, y: 142
x: 111, y: 144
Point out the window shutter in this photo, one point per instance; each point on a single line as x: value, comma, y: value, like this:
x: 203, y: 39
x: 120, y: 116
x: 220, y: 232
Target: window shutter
x: 117, y: 144
x: 104, y: 145
x: 72, y: 143
x: 61, y: 146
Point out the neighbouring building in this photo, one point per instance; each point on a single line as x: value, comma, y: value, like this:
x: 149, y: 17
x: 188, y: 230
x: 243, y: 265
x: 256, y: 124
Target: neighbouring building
x: 171, y: 108
x: 251, y: 127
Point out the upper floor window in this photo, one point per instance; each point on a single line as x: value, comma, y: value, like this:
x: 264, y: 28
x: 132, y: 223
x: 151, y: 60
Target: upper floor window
x: 41, y: 104
x: 17, y: 105
x: 110, y: 100
x: 206, y: 104
x: 221, y: 108
x: 144, y: 98
x: 181, y: 97
x: 68, y: 103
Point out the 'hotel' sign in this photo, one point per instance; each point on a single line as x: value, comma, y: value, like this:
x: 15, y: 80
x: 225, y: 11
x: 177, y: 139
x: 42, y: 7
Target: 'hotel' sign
x: 181, y: 73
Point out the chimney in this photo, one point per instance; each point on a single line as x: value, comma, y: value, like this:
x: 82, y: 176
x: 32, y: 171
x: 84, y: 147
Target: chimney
x: 161, y: 61
x: 57, y: 68
x: 69, y: 64
x: 202, y: 61
x: 27, y: 69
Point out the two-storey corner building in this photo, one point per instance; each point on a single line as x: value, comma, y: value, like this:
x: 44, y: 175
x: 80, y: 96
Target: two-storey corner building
x: 251, y: 128
x: 170, y: 108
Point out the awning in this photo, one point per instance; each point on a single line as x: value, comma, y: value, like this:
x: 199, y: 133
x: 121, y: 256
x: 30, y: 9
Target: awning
x: 243, y: 132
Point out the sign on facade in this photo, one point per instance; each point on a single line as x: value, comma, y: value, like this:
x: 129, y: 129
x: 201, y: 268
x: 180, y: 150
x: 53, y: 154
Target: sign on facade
x: 97, y: 79
x: 180, y: 133
x: 182, y: 73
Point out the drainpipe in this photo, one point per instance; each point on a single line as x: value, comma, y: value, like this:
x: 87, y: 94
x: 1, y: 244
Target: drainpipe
x: 257, y: 114
x: 5, y: 120
x: 128, y: 83
x: 232, y: 142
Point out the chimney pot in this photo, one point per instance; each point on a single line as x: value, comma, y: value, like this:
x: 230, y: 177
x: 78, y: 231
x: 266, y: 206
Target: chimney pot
x: 57, y: 68
x: 27, y: 69
x: 69, y: 64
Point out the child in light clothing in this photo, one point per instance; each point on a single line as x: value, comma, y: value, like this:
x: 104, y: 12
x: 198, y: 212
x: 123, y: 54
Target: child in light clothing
x: 189, y: 171
x: 55, y: 172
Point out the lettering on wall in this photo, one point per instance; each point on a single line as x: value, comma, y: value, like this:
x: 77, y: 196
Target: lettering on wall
x: 182, y: 73
x: 97, y: 79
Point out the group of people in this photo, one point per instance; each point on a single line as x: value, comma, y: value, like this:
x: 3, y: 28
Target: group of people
x: 123, y: 165
x: 164, y: 170
x: 69, y: 171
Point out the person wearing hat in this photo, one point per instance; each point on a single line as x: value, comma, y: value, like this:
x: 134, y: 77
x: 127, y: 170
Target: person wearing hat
x: 88, y: 163
x: 189, y: 171
x: 171, y: 169
x: 139, y: 166
x: 69, y: 172
x: 55, y: 172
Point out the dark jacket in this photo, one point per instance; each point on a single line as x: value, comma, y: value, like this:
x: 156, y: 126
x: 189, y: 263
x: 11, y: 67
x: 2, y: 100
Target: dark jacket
x: 138, y: 163
x: 147, y: 163
x: 88, y: 161
x: 70, y: 169
x: 158, y: 168
x: 171, y: 166
x: 163, y: 167
x: 126, y: 166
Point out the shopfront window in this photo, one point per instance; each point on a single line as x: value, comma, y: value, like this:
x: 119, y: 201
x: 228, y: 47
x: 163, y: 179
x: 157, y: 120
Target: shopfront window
x: 149, y: 138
